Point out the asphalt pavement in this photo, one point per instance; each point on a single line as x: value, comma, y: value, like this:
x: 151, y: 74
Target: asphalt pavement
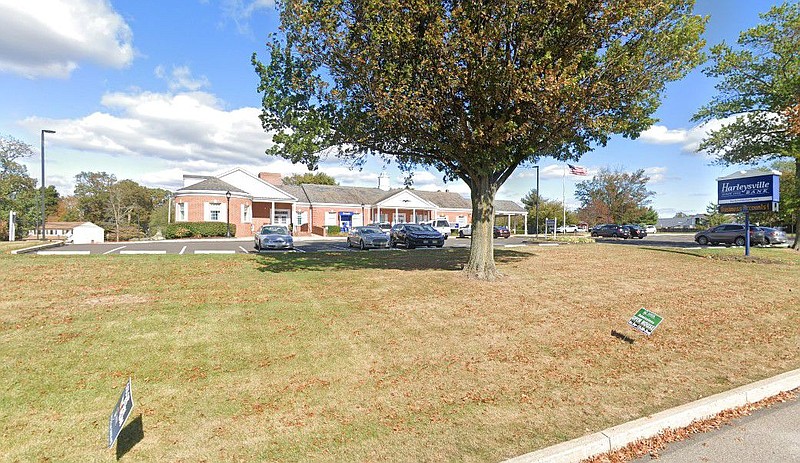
x: 769, y: 435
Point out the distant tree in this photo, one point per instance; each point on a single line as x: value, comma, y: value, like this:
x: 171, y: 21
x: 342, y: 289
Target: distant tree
x: 67, y: 209
x: 318, y: 178
x: 623, y: 197
x: 648, y: 216
x: 759, y: 85
x: 714, y: 217
x: 548, y: 209
x: 472, y: 89
x: 93, y: 191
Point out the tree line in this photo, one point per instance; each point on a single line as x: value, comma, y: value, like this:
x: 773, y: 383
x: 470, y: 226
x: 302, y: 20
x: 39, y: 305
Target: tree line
x: 123, y: 208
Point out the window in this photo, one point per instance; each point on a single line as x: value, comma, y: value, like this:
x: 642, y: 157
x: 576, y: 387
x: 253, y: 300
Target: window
x: 181, y: 211
x: 331, y: 218
x: 281, y: 217
x: 214, y: 212
x: 245, y: 213
x: 399, y: 218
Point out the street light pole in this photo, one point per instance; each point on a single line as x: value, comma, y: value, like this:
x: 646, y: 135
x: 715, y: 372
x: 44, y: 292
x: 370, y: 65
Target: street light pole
x: 537, y: 200
x: 228, y: 215
x: 44, y: 131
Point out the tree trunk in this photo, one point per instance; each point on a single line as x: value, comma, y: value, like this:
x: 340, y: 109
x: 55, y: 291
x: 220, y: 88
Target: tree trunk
x: 796, y: 245
x: 481, y: 252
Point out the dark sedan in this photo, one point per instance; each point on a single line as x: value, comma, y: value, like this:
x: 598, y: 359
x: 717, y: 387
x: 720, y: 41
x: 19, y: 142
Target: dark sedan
x: 502, y: 232
x: 611, y: 230
x: 367, y: 237
x: 412, y: 235
x: 636, y: 231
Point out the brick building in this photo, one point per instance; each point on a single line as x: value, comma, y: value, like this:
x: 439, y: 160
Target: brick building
x: 256, y: 200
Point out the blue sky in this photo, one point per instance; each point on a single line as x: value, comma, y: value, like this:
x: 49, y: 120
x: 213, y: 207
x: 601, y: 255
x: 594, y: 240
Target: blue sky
x: 152, y: 89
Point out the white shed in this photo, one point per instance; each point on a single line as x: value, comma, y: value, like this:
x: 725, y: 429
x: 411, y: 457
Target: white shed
x: 87, y: 233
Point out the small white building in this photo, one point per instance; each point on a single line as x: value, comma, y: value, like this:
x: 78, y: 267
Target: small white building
x: 73, y: 232
x: 87, y: 233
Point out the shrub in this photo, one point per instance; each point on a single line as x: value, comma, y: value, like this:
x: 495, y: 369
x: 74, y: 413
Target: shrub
x: 196, y: 230
x: 333, y: 230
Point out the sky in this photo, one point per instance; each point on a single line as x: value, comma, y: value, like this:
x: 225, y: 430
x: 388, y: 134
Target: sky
x: 150, y: 90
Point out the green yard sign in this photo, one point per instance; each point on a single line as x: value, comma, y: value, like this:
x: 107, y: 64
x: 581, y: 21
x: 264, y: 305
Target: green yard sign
x: 645, y: 321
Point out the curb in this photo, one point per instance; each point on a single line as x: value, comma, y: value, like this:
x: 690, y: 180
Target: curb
x: 38, y: 247
x: 616, y: 437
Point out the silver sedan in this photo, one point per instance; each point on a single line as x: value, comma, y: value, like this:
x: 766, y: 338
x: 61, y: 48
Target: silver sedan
x: 274, y: 237
x: 367, y: 237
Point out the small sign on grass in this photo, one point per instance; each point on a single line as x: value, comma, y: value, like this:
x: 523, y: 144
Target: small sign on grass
x: 645, y: 321
x: 121, y: 412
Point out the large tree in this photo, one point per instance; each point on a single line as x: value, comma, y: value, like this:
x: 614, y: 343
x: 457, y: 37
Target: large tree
x: 318, y: 178
x: 758, y: 85
x: 615, y: 196
x: 471, y: 88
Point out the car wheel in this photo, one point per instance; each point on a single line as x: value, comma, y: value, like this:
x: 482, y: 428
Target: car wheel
x: 392, y: 243
x: 461, y: 234
x: 258, y: 246
x: 594, y: 235
x: 702, y: 240
x: 439, y: 245
x: 361, y: 245
x: 739, y: 241
x: 614, y: 235
x: 409, y: 245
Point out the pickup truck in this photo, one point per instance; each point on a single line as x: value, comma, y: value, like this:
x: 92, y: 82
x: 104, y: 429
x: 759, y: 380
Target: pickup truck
x: 440, y: 225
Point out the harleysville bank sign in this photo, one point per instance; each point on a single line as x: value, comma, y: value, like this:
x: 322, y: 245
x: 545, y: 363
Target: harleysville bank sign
x: 757, y: 189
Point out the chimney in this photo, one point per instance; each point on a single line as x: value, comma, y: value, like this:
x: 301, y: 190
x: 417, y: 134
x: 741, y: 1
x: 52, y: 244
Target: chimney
x: 272, y: 178
x: 383, y: 181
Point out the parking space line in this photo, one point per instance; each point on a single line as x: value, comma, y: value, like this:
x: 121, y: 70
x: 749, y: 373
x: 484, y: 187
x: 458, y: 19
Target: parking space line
x: 548, y: 244
x: 63, y: 253
x: 513, y: 245
x: 244, y: 250
x: 213, y: 251
x: 183, y: 249
x: 115, y: 249
x: 142, y: 251
x: 298, y: 250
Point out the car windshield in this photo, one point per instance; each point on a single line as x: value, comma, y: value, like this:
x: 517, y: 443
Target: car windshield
x: 274, y: 230
x: 370, y: 230
x: 414, y: 227
x: 427, y: 227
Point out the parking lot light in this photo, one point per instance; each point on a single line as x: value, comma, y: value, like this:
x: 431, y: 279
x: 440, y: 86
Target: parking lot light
x: 228, y: 215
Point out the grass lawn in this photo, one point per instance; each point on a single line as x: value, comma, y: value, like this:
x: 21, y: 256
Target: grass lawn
x: 374, y: 356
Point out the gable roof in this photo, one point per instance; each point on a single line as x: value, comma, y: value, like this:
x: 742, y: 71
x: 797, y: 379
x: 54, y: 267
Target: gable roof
x: 504, y: 205
x: 212, y: 184
x: 337, y: 194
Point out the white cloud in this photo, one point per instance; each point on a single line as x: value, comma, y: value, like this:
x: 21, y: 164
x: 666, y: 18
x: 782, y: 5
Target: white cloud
x: 190, y: 126
x: 49, y: 38
x: 181, y: 79
x: 689, y: 139
x: 656, y: 174
x: 240, y: 11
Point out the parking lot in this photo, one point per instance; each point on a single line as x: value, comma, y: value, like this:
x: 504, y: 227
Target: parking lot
x: 303, y: 244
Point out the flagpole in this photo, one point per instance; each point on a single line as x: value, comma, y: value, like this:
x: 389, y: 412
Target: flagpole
x: 564, y: 199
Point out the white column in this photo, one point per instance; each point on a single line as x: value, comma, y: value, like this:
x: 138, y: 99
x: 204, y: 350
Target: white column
x: 292, y: 216
x: 509, y: 222
x: 272, y: 214
x: 414, y: 215
x: 379, y: 215
x: 396, y: 213
x: 525, y: 224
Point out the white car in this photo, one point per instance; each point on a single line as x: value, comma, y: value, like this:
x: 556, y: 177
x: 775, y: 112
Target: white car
x: 466, y: 230
x: 650, y: 229
x: 440, y: 225
x: 567, y: 229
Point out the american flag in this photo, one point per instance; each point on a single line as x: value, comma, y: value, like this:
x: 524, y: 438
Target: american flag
x: 577, y: 170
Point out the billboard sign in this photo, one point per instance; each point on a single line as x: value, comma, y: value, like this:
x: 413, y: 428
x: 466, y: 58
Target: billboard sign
x: 121, y: 412
x: 757, y: 189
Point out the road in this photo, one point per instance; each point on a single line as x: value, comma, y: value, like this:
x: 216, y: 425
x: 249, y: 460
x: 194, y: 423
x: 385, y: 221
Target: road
x: 768, y: 435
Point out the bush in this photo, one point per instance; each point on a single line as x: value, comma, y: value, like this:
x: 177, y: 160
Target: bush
x: 196, y: 230
x: 333, y: 230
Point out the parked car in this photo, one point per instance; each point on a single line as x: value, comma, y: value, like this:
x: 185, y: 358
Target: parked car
x: 729, y: 233
x: 466, y: 230
x: 567, y: 229
x: 611, y: 230
x: 385, y: 226
x: 440, y: 225
x: 274, y: 237
x: 502, y: 232
x: 583, y: 228
x: 636, y: 231
x: 650, y: 229
x: 412, y: 235
x: 774, y: 236
x: 367, y: 237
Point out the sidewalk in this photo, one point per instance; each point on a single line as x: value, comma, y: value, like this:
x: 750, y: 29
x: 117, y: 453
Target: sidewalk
x: 619, y: 436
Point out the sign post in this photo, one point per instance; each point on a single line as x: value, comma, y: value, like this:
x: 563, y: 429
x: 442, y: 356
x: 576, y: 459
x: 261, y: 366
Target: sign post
x: 746, y: 191
x: 121, y: 412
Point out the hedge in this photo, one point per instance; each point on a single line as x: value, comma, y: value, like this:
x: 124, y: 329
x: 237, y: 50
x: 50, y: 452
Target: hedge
x: 333, y: 230
x: 196, y: 230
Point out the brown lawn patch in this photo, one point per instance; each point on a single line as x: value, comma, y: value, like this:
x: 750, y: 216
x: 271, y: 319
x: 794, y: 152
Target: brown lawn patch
x: 374, y: 356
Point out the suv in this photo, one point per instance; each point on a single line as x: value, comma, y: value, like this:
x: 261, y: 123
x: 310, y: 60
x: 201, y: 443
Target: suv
x: 440, y: 225
x: 729, y: 233
x: 611, y: 230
